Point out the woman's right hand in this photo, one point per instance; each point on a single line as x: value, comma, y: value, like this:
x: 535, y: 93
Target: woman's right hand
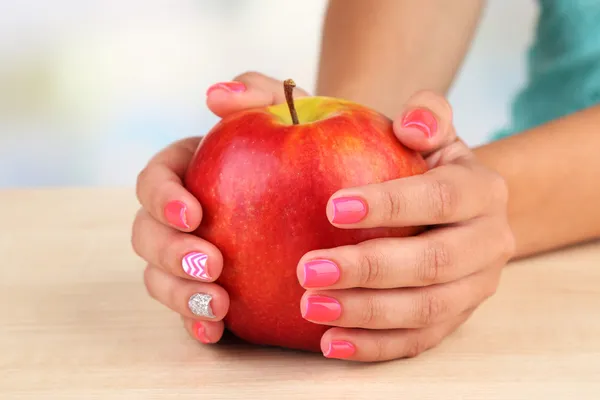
x: 181, y: 266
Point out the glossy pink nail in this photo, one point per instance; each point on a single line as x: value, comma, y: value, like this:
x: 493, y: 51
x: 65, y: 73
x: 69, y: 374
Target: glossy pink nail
x: 322, y: 309
x: 175, y: 213
x: 194, y: 264
x: 231, y: 87
x: 348, y: 210
x: 200, y: 332
x: 339, y: 349
x: 320, y: 273
x: 421, y: 119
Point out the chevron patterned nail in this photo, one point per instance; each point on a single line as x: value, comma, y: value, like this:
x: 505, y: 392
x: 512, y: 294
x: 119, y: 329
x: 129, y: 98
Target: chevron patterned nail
x: 194, y: 264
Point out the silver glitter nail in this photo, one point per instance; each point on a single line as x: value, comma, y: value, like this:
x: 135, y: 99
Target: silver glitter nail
x: 199, y: 304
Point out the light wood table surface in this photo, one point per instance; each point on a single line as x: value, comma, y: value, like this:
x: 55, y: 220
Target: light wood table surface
x: 76, y: 323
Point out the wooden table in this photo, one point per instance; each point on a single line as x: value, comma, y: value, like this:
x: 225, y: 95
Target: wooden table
x: 76, y: 323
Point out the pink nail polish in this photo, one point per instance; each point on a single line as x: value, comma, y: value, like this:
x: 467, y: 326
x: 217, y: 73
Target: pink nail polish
x: 421, y: 119
x: 320, y: 273
x: 194, y: 264
x: 231, y: 87
x: 200, y: 332
x: 339, y: 349
x: 322, y: 309
x: 175, y: 213
x: 348, y: 210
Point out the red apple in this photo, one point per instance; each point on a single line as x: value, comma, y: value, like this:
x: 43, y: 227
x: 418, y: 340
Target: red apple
x: 263, y: 177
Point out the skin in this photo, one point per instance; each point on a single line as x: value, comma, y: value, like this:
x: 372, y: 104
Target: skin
x: 399, y: 297
x: 422, y: 42
x: 398, y: 31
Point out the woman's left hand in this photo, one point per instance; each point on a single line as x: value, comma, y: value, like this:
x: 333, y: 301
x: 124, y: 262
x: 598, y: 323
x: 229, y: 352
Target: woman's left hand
x: 397, y: 297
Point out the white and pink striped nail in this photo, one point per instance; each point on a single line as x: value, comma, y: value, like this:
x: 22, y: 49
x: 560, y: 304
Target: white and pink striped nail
x: 194, y: 264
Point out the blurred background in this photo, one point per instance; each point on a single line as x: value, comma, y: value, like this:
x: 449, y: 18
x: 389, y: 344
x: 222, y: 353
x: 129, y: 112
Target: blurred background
x: 89, y: 90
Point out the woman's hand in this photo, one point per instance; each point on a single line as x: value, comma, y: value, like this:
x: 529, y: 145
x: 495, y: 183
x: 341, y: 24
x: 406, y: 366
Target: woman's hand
x: 397, y: 297
x: 387, y: 298
x: 181, y: 268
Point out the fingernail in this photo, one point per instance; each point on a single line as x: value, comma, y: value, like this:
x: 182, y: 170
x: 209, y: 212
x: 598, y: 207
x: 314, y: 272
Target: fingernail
x: 199, y: 304
x: 200, y: 332
x: 194, y: 264
x: 421, y: 119
x: 322, y: 309
x: 348, y: 210
x: 231, y: 87
x: 319, y: 273
x: 339, y: 349
x: 175, y: 214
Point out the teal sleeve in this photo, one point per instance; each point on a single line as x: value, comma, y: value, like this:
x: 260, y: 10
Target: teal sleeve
x: 563, y: 64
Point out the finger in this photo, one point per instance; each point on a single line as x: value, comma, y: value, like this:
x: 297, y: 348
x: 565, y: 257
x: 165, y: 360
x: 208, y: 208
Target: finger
x: 437, y: 256
x: 373, y: 346
x: 196, y: 300
x: 180, y: 254
x: 204, y: 331
x: 249, y: 90
x: 159, y: 187
x: 456, y: 152
x: 398, y: 308
x: 447, y: 194
x: 425, y: 123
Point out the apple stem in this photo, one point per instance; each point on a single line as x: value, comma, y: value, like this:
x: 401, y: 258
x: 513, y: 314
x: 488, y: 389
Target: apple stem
x: 288, y: 88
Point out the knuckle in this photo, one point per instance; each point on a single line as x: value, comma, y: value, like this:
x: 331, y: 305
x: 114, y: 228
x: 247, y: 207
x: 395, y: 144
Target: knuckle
x: 415, y: 346
x: 429, y: 308
x: 371, y: 311
x: 370, y: 267
x: 434, y: 263
x: 392, y: 204
x: 443, y: 198
x: 379, y: 348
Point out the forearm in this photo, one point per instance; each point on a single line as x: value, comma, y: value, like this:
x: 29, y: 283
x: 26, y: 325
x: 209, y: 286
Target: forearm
x: 553, y: 174
x: 380, y: 52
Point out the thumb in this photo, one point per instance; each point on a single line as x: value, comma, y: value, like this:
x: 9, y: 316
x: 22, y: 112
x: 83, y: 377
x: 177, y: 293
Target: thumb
x: 248, y: 90
x: 425, y: 123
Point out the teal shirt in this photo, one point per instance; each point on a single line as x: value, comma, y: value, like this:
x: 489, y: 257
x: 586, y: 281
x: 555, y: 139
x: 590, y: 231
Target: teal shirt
x: 563, y: 65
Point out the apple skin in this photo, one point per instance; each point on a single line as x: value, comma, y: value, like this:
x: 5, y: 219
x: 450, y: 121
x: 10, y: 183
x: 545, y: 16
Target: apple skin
x: 264, y: 183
